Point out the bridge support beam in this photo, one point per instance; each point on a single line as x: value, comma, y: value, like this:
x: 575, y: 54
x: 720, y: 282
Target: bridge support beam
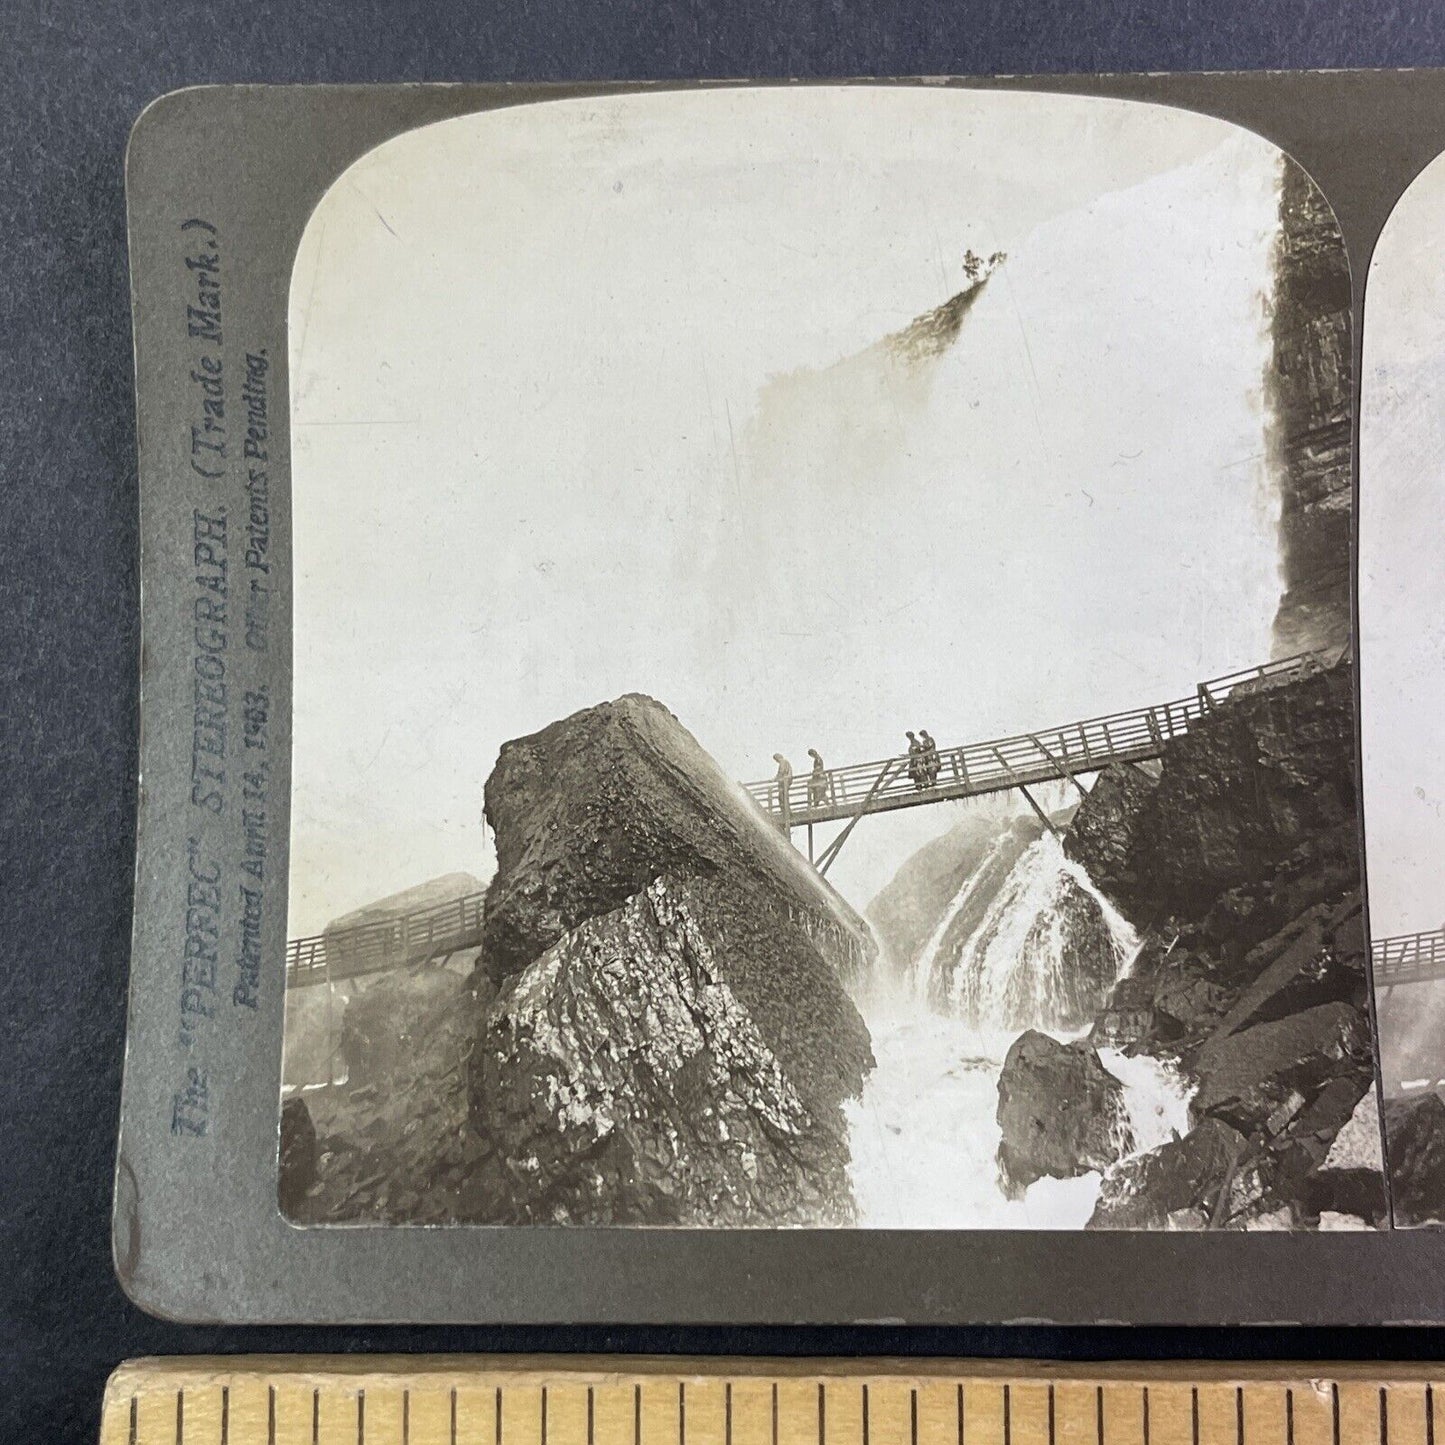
x: 1043, y: 816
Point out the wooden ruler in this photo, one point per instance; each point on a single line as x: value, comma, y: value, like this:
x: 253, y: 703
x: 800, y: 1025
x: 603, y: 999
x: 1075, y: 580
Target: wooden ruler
x: 290, y: 1400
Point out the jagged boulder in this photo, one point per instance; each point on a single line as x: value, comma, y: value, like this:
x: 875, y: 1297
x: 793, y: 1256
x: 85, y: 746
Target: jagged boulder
x: 1415, y: 1145
x: 1351, y: 1180
x: 1241, y: 790
x: 1102, y: 835
x: 393, y: 1145
x: 1060, y: 1111
x: 1150, y: 1190
x: 1247, y: 1078
x: 676, y: 1060
x: 590, y: 810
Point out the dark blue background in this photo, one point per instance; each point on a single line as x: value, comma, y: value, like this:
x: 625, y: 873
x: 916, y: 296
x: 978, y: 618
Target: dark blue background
x: 72, y: 78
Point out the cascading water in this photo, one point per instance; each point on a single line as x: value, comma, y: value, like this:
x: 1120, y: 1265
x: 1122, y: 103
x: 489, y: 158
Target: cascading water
x: 1027, y: 941
x: 1045, y: 953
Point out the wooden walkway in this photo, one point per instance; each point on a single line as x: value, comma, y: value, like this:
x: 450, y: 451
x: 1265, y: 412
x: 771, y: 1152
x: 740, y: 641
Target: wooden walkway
x: 343, y: 953
x: 1408, y: 958
x: 847, y: 793
x: 1048, y: 755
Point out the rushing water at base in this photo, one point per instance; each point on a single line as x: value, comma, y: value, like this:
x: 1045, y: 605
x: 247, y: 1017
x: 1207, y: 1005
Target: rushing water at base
x: 924, y: 1137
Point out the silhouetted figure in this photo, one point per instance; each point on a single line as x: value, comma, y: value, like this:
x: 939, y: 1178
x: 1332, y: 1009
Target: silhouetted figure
x: 817, y: 781
x: 915, y: 763
x: 784, y: 784
x: 931, y: 763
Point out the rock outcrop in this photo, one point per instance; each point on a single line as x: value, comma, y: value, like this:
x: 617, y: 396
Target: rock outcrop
x: 655, y: 1029
x: 1415, y: 1139
x: 1060, y: 1111
x: 1240, y: 863
x: 674, y: 1061
x: 1177, y: 1185
x: 1308, y: 398
x: 671, y: 1041
x: 589, y: 811
x: 392, y: 1145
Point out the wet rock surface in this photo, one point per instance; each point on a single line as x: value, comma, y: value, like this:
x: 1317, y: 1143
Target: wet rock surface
x: 1415, y: 1139
x: 392, y: 1143
x: 1187, y: 1174
x: 1060, y: 1111
x: 645, y: 1069
x: 593, y: 808
x: 655, y: 1029
x: 1307, y: 396
x: 1241, y: 867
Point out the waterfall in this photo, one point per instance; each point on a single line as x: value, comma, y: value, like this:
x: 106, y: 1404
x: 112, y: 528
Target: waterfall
x: 1026, y: 941
x: 1043, y: 953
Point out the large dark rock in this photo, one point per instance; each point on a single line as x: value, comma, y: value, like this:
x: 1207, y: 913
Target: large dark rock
x: 1249, y: 784
x: 1103, y: 833
x: 1185, y: 1174
x: 671, y: 1041
x: 589, y: 811
x: 393, y: 1144
x: 678, y: 1060
x: 1415, y: 1147
x: 1060, y: 1111
x: 1247, y: 1077
x: 1308, y: 398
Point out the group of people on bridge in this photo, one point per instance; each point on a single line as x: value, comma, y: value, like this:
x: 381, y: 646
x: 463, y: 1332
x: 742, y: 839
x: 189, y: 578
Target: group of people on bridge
x: 818, y: 782
x: 923, y: 769
x: 923, y: 763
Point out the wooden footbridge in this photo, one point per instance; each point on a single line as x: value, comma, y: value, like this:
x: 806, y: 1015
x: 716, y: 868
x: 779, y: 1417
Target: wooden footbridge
x: 844, y: 795
x: 1408, y: 958
x: 1020, y: 761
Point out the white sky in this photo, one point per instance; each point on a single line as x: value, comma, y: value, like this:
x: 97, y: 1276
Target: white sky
x: 1402, y: 542
x: 584, y: 403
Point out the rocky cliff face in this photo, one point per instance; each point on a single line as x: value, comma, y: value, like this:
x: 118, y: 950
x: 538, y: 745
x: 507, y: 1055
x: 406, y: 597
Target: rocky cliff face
x: 671, y: 1040
x: 674, y: 1061
x: 589, y: 811
x: 1241, y: 865
x: 391, y: 1145
x: 655, y: 1030
x: 1307, y: 395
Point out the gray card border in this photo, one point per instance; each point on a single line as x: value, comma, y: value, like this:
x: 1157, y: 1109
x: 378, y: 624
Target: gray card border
x: 197, y: 1232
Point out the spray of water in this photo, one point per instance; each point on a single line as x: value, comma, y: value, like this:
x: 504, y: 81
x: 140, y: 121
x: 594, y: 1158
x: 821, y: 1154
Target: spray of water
x: 1032, y: 945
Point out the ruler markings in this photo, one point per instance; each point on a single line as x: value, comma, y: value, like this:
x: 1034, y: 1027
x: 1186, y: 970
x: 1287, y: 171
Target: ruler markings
x: 396, y: 1406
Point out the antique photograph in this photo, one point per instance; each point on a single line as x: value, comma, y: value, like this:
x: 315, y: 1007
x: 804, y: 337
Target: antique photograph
x: 824, y: 679
x: 1402, y: 633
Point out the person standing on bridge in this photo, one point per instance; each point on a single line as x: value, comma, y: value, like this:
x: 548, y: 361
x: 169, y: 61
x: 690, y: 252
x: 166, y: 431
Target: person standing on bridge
x: 915, y: 762
x: 931, y: 762
x: 817, y: 781
x: 785, y: 787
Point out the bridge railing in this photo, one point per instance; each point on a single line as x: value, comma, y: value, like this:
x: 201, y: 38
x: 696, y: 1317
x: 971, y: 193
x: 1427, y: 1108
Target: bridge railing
x: 387, y: 943
x: 1408, y: 957
x: 1050, y: 753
